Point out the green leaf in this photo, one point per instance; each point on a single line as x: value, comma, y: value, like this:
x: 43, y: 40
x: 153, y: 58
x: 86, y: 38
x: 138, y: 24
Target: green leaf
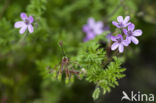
x: 96, y: 93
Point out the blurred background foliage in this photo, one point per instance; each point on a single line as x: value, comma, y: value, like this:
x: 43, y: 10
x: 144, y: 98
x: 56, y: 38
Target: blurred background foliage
x: 23, y: 73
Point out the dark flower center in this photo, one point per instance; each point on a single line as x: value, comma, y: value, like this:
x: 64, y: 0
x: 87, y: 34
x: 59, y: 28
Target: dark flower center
x: 121, y: 24
x: 91, y: 29
x: 119, y: 40
x: 129, y: 33
x: 26, y: 21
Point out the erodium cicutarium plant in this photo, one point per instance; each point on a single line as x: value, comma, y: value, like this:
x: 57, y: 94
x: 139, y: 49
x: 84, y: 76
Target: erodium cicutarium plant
x: 95, y: 63
x: 25, y: 24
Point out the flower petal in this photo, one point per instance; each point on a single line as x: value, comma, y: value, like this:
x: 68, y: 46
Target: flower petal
x: 120, y: 36
x: 131, y: 27
x: 99, y: 24
x: 113, y: 38
x: 22, y: 30
x: 85, y: 28
x: 19, y: 24
x: 114, y: 46
x: 128, y: 39
x: 98, y: 31
x: 125, y: 31
x: 116, y: 24
x: 23, y: 16
x: 127, y: 24
x: 85, y: 39
x: 120, y: 19
x: 30, y: 28
x: 125, y: 42
x: 127, y: 18
x: 121, y: 48
x: 137, y: 32
x: 134, y: 40
x: 91, y: 22
x: 89, y: 37
x: 31, y: 19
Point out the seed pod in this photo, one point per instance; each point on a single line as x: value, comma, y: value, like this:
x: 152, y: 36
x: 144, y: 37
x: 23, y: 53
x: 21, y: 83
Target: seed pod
x: 59, y: 77
x: 72, y: 78
x: 67, y: 80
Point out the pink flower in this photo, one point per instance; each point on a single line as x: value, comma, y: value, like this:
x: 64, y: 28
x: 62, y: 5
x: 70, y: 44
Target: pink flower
x: 131, y: 34
x: 122, y: 23
x: 92, y: 28
x: 118, y: 43
x: 26, y: 23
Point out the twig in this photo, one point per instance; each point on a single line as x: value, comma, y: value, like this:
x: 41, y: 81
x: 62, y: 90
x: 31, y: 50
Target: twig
x: 116, y: 53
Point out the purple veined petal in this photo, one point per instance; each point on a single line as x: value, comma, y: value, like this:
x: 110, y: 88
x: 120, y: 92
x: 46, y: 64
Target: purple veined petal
x: 131, y: 27
x: 120, y: 19
x: 121, y: 48
x: 137, y: 32
x: 120, y: 36
x: 23, y: 16
x: 127, y: 18
x: 91, y: 22
x: 85, y: 28
x: 127, y: 24
x: 19, y: 24
x: 134, y: 40
x: 116, y: 24
x: 113, y: 38
x: 125, y: 42
x: 30, y: 28
x: 23, y: 28
x: 125, y: 31
x: 128, y: 40
x: 114, y: 46
x: 31, y: 19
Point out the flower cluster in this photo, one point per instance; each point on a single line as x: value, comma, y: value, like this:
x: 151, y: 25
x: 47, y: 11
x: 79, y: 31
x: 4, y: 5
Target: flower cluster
x: 92, y: 29
x: 26, y: 23
x: 127, y: 29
